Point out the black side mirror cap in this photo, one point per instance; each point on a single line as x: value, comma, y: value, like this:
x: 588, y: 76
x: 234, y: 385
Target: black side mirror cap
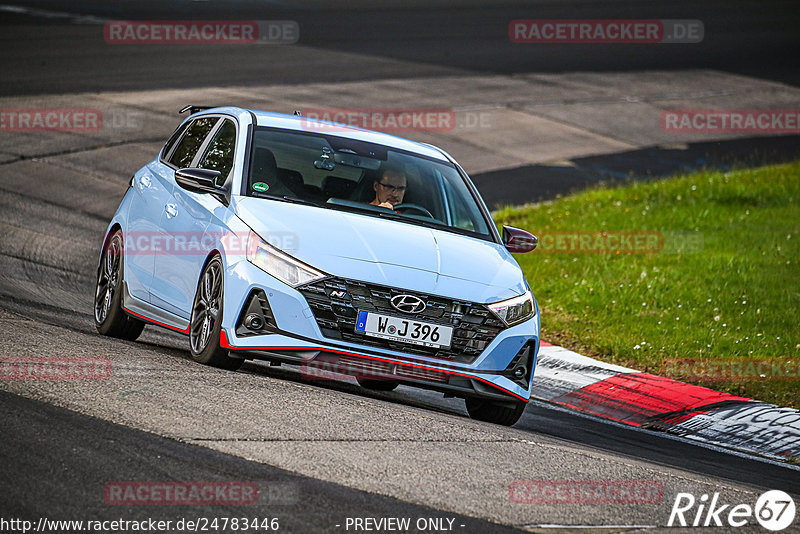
x: 202, y: 181
x: 518, y: 240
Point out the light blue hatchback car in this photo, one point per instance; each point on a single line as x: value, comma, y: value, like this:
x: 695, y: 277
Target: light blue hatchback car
x: 338, y: 249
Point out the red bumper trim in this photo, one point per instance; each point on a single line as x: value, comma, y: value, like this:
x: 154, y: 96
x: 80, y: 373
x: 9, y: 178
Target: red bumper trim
x: 149, y: 320
x: 223, y: 342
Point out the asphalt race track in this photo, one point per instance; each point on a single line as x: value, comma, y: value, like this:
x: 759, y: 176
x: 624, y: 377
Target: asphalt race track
x: 418, y: 37
x: 324, y: 451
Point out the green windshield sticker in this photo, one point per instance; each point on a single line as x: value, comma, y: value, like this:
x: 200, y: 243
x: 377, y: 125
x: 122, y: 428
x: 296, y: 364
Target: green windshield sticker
x: 260, y: 186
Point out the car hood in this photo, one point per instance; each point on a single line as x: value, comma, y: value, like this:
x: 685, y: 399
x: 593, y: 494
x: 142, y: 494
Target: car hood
x: 385, y: 252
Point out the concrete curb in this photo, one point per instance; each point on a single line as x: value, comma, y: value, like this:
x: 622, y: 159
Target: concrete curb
x: 641, y: 399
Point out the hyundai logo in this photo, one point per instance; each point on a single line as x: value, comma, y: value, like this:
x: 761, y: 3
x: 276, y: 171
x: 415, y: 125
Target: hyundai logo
x: 408, y: 303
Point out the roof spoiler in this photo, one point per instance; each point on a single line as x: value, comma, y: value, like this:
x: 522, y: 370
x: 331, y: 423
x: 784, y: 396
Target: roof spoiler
x: 194, y: 109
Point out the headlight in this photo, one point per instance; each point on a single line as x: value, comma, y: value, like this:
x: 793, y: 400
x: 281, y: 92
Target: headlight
x: 514, y: 310
x: 282, y: 266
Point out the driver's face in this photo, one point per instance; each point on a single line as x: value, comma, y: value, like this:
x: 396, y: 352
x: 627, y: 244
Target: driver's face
x: 390, y: 188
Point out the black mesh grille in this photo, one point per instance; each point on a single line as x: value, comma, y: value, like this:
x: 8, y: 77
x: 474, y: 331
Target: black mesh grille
x: 336, y: 302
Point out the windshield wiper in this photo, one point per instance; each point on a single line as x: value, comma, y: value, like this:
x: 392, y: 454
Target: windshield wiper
x: 422, y: 222
x: 297, y: 200
x: 354, y: 206
x: 369, y: 209
x: 285, y: 198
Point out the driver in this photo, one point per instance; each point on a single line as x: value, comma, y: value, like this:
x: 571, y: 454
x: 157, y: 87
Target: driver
x: 390, y: 188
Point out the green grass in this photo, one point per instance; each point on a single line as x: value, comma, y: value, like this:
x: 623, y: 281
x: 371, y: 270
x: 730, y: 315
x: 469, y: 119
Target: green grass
x: 726, y: 285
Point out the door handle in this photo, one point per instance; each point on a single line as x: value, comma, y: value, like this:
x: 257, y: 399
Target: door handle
x: 172, y: 210
x: 144, y: 182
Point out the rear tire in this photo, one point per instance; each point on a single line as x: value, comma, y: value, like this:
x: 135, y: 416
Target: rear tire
x: 378, y: 385
x: 494, y: 412
x: 109, y: 317
x: 205, y: 324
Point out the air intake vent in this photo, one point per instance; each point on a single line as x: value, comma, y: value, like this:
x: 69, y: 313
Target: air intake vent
x: 521, y: 367
x: 256, y: 316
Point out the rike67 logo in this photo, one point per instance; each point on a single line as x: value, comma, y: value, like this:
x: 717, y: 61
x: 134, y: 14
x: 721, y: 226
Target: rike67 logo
x: 774, y: 510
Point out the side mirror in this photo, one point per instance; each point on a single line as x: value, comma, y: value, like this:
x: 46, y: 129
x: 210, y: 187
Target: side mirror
x: 202, y: 181
x: 198, y: 180
x: 517, y: 240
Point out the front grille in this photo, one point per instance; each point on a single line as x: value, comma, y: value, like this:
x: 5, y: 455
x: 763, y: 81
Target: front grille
x: 336, y: 302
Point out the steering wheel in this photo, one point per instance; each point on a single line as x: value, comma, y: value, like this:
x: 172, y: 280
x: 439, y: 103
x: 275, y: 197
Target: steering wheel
x: 414, y: 207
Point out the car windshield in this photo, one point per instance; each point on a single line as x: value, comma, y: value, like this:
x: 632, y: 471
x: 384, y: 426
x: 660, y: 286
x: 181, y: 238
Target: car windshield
x: 374, y: 180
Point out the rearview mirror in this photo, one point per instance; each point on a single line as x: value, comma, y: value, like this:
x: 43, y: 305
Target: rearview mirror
x: 517, y: 240
x: 354, y: 160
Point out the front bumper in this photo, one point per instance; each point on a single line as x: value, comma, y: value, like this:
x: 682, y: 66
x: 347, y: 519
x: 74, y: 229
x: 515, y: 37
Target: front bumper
x: 294, y: 336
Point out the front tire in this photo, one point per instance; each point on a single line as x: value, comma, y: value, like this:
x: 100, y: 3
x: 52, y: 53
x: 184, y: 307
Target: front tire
x: 109, y: 317
x: 206, y: 322
x: 494, y: 412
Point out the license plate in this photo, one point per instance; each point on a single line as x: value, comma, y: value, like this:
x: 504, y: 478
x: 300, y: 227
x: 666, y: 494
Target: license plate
x: 406, y: 330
